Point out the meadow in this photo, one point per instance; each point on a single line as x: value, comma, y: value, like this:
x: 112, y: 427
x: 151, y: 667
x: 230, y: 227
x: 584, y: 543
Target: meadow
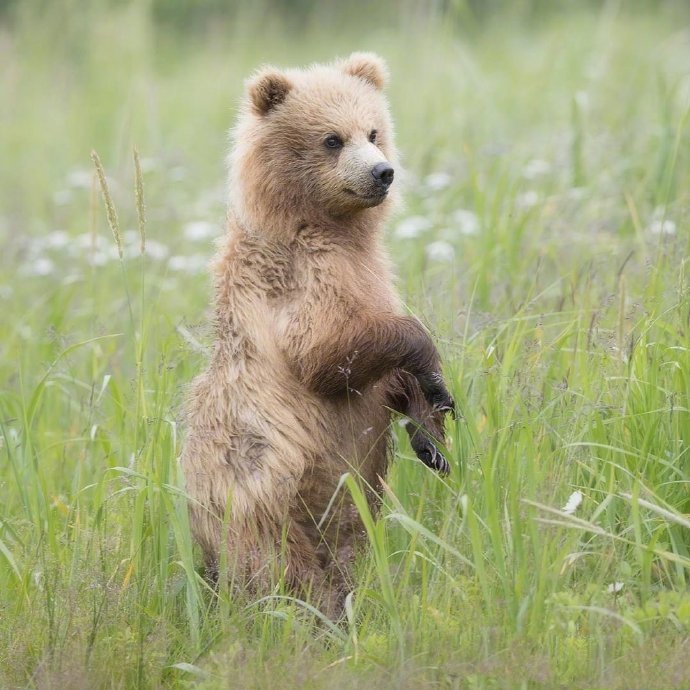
x: 544, y: 241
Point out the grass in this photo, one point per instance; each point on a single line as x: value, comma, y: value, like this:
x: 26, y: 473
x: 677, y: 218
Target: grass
x: 544, y: 240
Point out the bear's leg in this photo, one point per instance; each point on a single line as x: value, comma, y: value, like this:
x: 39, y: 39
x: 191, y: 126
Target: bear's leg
x: 266, y: 552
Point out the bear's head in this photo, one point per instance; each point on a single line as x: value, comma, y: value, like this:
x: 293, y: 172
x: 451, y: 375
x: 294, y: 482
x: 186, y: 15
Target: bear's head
x: 314, y: 145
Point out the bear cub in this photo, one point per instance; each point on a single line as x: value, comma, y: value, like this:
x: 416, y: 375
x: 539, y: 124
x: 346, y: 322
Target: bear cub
x: 313, y: 351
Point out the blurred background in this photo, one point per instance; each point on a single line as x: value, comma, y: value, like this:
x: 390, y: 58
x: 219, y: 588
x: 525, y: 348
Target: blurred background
x: 476, y: 87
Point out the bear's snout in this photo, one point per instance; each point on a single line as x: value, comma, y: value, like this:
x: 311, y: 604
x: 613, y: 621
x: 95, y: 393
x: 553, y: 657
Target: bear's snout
x: 383, y: 174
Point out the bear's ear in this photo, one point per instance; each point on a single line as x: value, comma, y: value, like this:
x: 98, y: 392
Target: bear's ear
x: 267, y: 89
x: 367, y: 66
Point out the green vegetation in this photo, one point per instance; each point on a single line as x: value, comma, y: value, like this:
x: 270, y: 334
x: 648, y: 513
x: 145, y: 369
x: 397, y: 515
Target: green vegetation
x: 544, y: 240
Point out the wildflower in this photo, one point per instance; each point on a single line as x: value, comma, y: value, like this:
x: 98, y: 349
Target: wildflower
x: 615, y: 587
x: 536, y: 168
x: 437, y: 181
x: 467, y: 221
x: 57, y: 239
x: 80, y: 179
x: 660, y: 225
x: 156, y: 250
x: 527, y: 199
x: 573, y: 503
x: 187, y: 264
x: 413, y: 226
x: 440, y: 251
x: 197, y: 230
x: 41, y: 266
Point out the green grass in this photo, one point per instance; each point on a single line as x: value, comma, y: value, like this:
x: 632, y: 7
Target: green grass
x: 561, y: 302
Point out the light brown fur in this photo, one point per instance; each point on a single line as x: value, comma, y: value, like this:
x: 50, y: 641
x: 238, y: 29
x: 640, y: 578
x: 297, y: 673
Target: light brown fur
x: 312, y: 348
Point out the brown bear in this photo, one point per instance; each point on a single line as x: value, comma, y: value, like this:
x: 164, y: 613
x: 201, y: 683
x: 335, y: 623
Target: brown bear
x: 313, y: 351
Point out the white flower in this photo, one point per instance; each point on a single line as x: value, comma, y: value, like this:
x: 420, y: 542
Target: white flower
x: 131, y: 237
x: 660, y: 225
x: 57, y: 239
x: 536, y: 168
x: 156, y: 250
x: 87, y: 240
x: 99, y: 258
x: 615, y: 587
x: 198, y: 230
x: 573, y: 503
x: 582, y: 100
x: 468, y: 223
x: 80, y: 178
x: 412, y: 226
x: 188, y: 264
x: 41, y: 266
x: 438, y: 180
x: 527, y: 199
x: 440, y: 251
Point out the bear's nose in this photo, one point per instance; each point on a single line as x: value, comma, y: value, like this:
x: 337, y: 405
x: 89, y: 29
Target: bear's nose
x: 383, y: 174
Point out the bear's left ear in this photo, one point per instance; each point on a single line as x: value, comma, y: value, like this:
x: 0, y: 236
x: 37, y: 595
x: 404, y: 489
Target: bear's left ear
x: 267, y: 89
x: 367, y: 66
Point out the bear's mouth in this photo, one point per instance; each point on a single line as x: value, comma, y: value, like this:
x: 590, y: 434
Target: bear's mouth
x: 378, y: 195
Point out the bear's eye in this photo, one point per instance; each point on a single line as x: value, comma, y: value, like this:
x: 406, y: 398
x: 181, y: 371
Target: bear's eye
x: 372, y: 136
x: 333, y: 141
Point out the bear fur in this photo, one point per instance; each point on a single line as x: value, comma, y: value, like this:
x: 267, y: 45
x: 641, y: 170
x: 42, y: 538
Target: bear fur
x: 313, y: 351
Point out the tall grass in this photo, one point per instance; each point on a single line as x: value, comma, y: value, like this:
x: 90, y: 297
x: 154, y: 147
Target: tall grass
x: 544, y: 239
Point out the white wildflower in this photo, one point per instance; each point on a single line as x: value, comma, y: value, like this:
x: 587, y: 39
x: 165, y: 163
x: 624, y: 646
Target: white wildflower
x: 440, y: 251
x: 660, y: 225
x: 615, y: 587
x: 467, y: 221
x: 573, y: 503
x: 81, y: 179
x: 582, y: 100
x: 56, y: 239
x: 130, y: 237
x: 156, y: 250
x: 195, y: 263
x: 412, y: 226
x: 87, y: 240
x: 197, y: 230
x: 527, y: 199
x: 437, y: 181
x: 41, y: 266
x: 98, y: 258
x: 536, y: 168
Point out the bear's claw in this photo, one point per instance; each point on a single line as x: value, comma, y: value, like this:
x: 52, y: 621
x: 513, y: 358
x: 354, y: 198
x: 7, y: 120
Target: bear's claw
x: 429, y: 454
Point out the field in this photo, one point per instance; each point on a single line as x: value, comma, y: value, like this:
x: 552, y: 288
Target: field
x: 544, y: 241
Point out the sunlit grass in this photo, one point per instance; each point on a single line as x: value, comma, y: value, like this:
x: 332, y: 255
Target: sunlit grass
x: 544, y: 240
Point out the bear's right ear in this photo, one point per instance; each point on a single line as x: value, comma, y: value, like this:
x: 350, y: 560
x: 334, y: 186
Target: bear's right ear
x: 267, y: 89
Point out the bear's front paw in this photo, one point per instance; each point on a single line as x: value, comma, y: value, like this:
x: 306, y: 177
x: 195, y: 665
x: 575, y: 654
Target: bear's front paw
x: 432, y: 457
x: 436, y: 393
x: 427, y: 451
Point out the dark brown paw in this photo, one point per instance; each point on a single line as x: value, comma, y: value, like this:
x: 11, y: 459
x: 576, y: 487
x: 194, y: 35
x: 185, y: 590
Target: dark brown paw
x: 427, y: 452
